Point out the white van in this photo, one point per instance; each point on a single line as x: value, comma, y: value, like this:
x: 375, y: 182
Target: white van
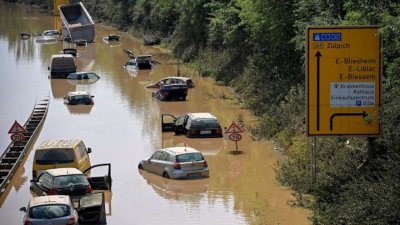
x: 62, y: 65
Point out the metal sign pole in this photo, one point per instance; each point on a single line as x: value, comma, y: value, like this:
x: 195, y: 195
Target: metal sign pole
x: 237, y: 149
x: 313, y: 163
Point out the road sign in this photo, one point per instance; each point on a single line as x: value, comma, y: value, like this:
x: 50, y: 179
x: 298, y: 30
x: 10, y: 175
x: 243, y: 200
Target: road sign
x: 16, y: 128
x: 343, y: 78
x: 17, y: 137
x: 235, y: 137
x: 233, y: 128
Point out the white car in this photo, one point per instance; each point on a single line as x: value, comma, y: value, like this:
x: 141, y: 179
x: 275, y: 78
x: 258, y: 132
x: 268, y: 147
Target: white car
x: 176, y: 163
x: 51, y: 209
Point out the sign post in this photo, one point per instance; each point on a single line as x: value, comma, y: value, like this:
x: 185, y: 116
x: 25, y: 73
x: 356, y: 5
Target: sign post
x: 234, y: 133
x: 343, y: 83
x: 16, y: 132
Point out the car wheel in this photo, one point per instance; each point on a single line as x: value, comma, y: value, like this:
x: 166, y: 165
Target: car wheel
x: 140, y: 166
x: 166, y: 175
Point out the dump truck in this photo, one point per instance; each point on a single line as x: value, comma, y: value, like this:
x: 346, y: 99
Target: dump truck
x: 76, y: 22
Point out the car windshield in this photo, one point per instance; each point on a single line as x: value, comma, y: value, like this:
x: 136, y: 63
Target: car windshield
x: 189, y: 157
x: 53, y: 156
x: 143, y: 58
x: 79, y: 97
x: 205, y: 123
x: 83, y: 76
x: 68, y: 180
x: 49, y: 211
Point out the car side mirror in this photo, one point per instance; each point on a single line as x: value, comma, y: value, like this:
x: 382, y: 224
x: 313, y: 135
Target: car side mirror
x: 22, y: 209
x: 92, y: 96
x: 89, y: 150
x: 32, y: 181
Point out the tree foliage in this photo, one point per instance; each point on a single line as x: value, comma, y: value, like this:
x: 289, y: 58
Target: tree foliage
x: 258, y: 46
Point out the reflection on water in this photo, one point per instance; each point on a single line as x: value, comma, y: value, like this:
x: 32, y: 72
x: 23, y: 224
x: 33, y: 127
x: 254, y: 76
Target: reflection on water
x: 79, y: 109
x: 177, y: 190
x: 61, y: 87
x: 124, y: 127
x: 207, y: 146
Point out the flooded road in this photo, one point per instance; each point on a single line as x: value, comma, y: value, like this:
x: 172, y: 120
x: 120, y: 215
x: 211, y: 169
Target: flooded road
x: 123, y: 127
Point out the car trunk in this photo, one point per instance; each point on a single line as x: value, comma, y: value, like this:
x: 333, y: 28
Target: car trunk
x: 190, y: 166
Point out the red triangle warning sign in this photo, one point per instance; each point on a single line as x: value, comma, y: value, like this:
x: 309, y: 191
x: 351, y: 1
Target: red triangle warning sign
x: 233, y: 128
x: 16, y: 128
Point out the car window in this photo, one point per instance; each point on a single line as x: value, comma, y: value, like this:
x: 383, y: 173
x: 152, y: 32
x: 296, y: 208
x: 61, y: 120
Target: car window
x: 179, y: 120
x: 188, y: 123
x: 41, y: 177
x: 92, y: 76
x: 80, y: 97
x: 205, y: 123
x: 82, y: 150
x: 164, y: 156
x: 62, y: 181
x: 92, y: 200
x: 45, y: 180
x: 52, y: 156
x: 156, y: 156
x: 189, y: 157
x: 49, y: 211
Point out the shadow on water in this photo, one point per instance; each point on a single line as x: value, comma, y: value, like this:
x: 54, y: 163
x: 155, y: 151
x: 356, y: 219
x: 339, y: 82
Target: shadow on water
x: 236, y: 152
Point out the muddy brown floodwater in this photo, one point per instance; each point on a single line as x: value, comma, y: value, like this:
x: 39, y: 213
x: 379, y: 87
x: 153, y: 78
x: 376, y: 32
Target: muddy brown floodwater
x: 123, y: 127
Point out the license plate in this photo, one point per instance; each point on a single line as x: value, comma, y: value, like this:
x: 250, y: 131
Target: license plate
x: 194, y: 175
x: 205, y: 132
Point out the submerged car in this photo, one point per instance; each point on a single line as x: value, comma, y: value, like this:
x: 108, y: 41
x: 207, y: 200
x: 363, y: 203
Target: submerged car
x: 176, y: 163
x: 71, y: 51
x: 79, y: 98
x: 112, y: 37
x: 83, y: 76
x: 80, y: 42
x: 51, y: 33
x: 70, y: 181
x: 171, y: 92
x: 53, y: 209
x: 172, y: 80
x: 54, y: 153
x: 192, y: 124
x: 144, y: 61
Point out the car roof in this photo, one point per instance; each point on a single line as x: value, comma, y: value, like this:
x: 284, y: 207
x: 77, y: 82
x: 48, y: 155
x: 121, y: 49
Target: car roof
x: 202, y: 115
x: 175, y: 77
x: 63, y: 171
x: 144, y: 56
x: 81, y: 72
x: 50, y: 199
x: 58, y: 144
x: 75, y: 93
x: 62, y: 56
x: 181, y: 150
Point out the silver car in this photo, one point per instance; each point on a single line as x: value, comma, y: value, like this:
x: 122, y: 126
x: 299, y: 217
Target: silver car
x: 176, y: 163
x: 51, y: 209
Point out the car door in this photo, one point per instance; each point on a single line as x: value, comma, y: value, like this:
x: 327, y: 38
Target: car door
x: 167, y: 122
x: 180, y: 124
x: 152, y: 163
x: 160, y: 163
x: 91, y: 209
x: 99, y: 182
